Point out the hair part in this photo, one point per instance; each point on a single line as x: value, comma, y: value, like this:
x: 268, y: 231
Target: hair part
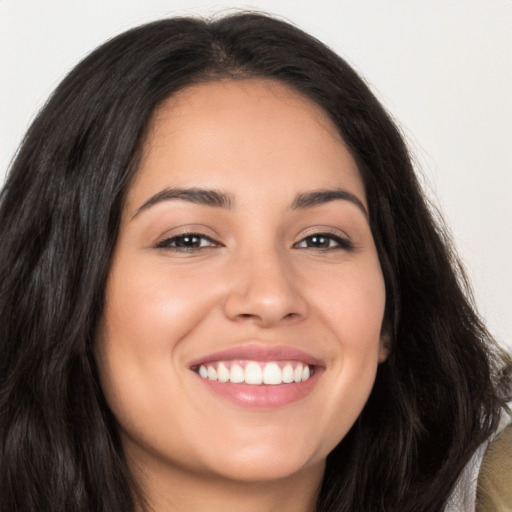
x: 436, y: 398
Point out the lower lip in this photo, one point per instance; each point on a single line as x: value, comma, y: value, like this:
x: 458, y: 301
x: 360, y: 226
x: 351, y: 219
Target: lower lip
x: 263, y: 396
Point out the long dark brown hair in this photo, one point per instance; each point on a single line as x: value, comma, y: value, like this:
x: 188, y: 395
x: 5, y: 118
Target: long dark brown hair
x: 436, y: 398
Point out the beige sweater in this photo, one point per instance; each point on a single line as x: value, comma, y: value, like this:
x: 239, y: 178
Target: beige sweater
x: 494, y: 489
x: 485, y: 485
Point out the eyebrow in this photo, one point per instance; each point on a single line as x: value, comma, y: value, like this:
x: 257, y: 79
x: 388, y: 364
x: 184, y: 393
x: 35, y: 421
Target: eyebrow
x: 217, y: 199
x: 319, y: 197
x: 207, y: 197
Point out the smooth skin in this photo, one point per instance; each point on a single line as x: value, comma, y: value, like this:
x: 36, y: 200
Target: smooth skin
x: 190, y: 278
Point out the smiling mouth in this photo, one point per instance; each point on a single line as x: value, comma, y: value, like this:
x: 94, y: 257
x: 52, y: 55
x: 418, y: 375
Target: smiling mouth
x: 259, y: 377
x: 256, y: 373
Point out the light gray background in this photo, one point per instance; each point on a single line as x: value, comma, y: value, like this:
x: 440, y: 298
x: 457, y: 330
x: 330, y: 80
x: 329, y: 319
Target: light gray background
x: 442, y: 67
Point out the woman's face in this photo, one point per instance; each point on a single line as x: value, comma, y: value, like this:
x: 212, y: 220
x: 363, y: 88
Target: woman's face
x: 244, y: 254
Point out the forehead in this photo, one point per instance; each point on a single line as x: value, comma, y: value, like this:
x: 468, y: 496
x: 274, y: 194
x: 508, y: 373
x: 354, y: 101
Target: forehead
x: 245, y: 97
x: 223, y: 133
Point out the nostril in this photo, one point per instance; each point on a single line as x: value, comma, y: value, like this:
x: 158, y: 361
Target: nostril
x: 264, y: 305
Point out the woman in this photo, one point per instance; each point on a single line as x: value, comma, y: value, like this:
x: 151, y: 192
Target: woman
x: 223, y: 289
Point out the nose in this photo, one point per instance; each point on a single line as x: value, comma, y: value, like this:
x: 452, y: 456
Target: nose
x: 264, y: 290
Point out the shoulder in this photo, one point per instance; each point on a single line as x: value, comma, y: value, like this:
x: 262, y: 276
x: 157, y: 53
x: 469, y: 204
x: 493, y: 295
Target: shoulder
x: 494, y: 489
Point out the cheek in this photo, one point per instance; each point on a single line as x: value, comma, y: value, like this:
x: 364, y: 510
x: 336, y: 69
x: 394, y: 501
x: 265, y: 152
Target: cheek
x: 155, y: 307
x: 350, y: 309
x: 148, y: 312
x: 351, y: 302
x: 357, y: 325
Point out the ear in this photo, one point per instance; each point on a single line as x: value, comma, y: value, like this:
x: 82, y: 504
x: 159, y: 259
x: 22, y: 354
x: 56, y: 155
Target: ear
x: 385, y: 345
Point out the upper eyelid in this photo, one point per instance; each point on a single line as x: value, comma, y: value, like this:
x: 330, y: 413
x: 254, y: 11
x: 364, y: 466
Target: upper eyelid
x: 326, y: 231
x: 344, y: 242
x: 184, y: 230
x: 175, y: 236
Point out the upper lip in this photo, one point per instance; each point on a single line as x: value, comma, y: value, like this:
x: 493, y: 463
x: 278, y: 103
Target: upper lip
x: 258, y: 352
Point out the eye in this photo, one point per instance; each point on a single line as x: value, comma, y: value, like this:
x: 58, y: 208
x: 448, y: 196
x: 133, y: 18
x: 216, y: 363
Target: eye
x: 325, y: 241
x: 187, y: 242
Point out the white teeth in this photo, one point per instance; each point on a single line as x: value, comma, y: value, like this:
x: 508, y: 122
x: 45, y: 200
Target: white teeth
x: 237, y: 374
x: 212, y: 373
x: 272, y: 374
x: 203, y: 371
x: 256, y: 373
x: 288, y: 373
x: 253, y: 373
x: 222, y: 373
x: 297, y: 374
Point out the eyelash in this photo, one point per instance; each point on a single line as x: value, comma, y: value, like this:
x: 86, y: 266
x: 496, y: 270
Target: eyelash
x: 171, y: 243
x: 167, y: 243
x: 341, y: 243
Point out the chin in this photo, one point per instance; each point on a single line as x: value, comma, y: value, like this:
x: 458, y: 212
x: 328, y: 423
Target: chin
x: 258, y: 470
x: 263, y: 462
